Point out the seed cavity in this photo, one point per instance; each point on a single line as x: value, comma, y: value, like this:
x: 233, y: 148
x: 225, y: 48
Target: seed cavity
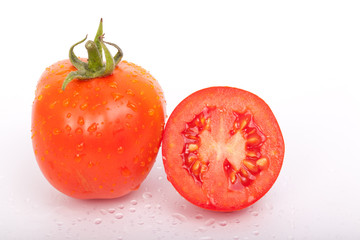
x: 254, y: 162
x: 191, y: 160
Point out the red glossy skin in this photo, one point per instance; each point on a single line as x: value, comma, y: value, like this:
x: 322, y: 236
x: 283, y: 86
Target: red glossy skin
x: 222, y: 148
x: 98, y: 138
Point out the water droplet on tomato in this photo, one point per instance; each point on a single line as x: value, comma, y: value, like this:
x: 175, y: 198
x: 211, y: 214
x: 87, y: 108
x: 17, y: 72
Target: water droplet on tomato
x: 79, y: 131
x: 83, y: 106
x: 77, y: 158
x: 52, y: 105
x: 132, y: 106
x: 119, y: 215
x: 80, y: 146
x: 151, y: 112
x: 125, y: 172
x: 40, y: 97
x: 147, y: 195
x: 120, y: 149
x: 116, y: 96
x: 56, y: 131
x: 130, y: 92
x: 92, y: 127
x: 81, y: 121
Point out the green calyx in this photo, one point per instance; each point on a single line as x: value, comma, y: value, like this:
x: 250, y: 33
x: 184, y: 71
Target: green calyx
x: 95, y: 66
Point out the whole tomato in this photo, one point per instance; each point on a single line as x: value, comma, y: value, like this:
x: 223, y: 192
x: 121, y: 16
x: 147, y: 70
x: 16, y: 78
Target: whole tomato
x: 97, y: 127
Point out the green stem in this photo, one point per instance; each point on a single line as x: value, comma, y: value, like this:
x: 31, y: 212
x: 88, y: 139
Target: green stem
x: 94, y: 67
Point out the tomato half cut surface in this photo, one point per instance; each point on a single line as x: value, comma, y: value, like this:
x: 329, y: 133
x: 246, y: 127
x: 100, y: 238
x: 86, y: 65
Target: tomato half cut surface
x: 222, y: 148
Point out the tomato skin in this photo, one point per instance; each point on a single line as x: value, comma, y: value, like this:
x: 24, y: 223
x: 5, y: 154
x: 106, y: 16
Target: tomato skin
x: 98, y: 138
x: 215, y: 192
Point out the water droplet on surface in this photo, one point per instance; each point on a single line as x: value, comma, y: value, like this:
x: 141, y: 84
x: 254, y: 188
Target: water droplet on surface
x: 119, y: 215
x: 98, y: 221
x: 206, y: 238
x: 199, y: 216
x: 210, y: 222
x: 133, y: 202
x: 121, y: 206
x: 222, y: 223
x: 256, y: 232
x: 147, y: 195
x: 179, y: 217
x: 111, y: 210
x: 132, y: 210
x: 254, y: 213
x: 147, y: 206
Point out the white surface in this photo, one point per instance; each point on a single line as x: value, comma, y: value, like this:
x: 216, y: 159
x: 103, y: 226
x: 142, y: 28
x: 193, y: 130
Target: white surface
x: 302, y: 58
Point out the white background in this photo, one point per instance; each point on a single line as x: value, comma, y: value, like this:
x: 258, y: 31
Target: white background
x: 301, y: 57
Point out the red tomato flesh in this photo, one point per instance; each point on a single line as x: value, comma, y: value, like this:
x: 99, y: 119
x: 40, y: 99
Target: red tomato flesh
x: 222, y: 148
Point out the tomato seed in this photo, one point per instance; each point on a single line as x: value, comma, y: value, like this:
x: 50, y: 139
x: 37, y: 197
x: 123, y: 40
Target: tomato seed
x: 232, y: 177
x: 262, y: 163
x: 251, y: 166
x: 193, y: 147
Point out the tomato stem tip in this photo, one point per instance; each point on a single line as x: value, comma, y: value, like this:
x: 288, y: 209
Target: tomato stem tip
x: 95, y: 66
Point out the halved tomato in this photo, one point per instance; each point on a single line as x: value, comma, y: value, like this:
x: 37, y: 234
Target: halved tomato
x: 222, y: 148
